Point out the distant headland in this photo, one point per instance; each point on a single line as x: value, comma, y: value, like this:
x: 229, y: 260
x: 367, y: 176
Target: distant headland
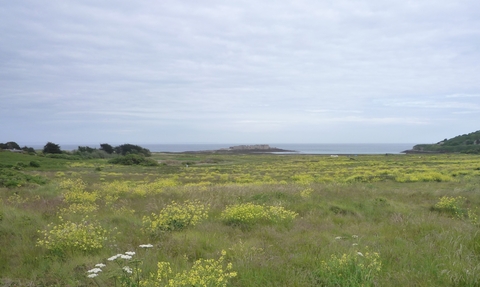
x: 239, y: 149
x: 467, y: 143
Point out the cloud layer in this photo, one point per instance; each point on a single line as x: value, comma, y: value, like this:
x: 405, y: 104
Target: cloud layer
x: 245, y: 71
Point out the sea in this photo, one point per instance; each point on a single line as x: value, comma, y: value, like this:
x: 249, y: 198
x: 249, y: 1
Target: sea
x: 321, y: 148
x: 296, y: 148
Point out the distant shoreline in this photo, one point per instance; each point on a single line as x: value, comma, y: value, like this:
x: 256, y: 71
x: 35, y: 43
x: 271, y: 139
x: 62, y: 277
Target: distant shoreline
x: 309, y: 148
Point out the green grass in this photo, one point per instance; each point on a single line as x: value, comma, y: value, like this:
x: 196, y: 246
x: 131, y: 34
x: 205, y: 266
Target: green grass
x: 344, y: 206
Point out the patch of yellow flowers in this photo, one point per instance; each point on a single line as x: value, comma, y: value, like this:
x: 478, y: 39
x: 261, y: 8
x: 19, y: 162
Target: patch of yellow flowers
x: 249, y: 214
x: 204, y: 272
x: 79, y: 208
x: 452, y: 205
x: 75, y: 192
x: 87, y: 236
x: 176, y: 216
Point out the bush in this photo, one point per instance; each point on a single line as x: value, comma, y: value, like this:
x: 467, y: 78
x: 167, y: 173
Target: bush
x: 13, y: 178
x: 131, y: 149
x: 175, y: 217
x: 96, y: 153
x: 63, y: 156
x: 19, y: 166
x: 29, y: 150
x: 34, y: 163
x: 133, y: 159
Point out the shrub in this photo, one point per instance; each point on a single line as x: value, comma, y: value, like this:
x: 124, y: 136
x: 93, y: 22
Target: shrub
x: 63, y: 156
x: 14, y: 178
x: 176, y: 217
x: 125, y: 149
x: 19, y: 166
x: 91, y: 154
x: 34, y: 163
x: 133, y: 159
x: 249, y: 214
x: 87, y: 236
x: 352, y: 269
x: 29, y: 150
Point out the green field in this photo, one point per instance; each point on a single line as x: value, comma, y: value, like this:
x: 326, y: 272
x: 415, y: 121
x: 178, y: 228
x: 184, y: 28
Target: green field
x: 241, y: 220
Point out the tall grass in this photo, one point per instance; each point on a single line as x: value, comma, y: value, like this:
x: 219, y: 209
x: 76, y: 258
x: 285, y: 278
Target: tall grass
x: 408, y: 233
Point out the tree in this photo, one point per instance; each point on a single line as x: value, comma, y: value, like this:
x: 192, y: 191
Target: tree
x: 9, y: 145
x: 125, y: 149
x: 51, y: 148
x: 86, y: 149
x: 30, y: 150
x: 106, y: 148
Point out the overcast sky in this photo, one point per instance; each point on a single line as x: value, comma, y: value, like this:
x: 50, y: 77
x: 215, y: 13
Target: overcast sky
x: 238, y: 71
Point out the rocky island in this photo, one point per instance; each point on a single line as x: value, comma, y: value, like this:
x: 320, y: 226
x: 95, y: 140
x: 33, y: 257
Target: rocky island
x: 258, y: 148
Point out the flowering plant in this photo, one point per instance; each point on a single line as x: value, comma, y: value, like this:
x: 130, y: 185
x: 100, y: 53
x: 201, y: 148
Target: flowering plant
x: 250, y: 214
x: 87, y: 236
x: 176, y: 217
x: 127, y: 273
x: 204, y: 272
x: 350, y: 269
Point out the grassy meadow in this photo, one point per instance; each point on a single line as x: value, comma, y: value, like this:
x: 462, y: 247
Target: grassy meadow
x: 241, y: 220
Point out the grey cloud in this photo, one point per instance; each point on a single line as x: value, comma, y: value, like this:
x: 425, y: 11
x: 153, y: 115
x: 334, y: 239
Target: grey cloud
x: 202, y: 66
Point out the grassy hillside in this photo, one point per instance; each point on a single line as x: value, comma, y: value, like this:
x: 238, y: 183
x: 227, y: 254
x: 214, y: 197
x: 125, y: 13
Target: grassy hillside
x: 242, y: 220
x: 467, y: 143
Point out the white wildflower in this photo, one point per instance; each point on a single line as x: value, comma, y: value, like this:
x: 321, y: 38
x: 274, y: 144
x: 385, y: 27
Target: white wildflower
x: 354, y: 236
x: 360, y: 254
x: 94, y: 270
x: 354, y: 244
x: 131, y: 253
x: 114, y: 257
x: 127, y: 269
x: 93, y: 275
x: 338, y: 237
x: 146, y: 246
x: 100, y: 265
x: 126, y: 256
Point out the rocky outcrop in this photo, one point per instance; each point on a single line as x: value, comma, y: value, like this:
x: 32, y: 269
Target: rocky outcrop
x: 251, y: 147
x: 258, y: 148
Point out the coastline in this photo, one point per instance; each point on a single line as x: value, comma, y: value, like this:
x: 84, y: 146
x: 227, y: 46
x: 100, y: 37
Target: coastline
x: 299, y: 149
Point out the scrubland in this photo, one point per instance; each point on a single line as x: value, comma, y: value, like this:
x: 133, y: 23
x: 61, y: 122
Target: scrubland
x: 241, y: 220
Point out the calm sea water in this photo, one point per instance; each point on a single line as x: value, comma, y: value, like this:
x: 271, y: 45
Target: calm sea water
x: 375, y: 148
x: 299, y: 148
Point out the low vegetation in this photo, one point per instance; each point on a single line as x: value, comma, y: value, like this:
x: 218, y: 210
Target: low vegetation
x: 240, y: 220
x: 467, y: 143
